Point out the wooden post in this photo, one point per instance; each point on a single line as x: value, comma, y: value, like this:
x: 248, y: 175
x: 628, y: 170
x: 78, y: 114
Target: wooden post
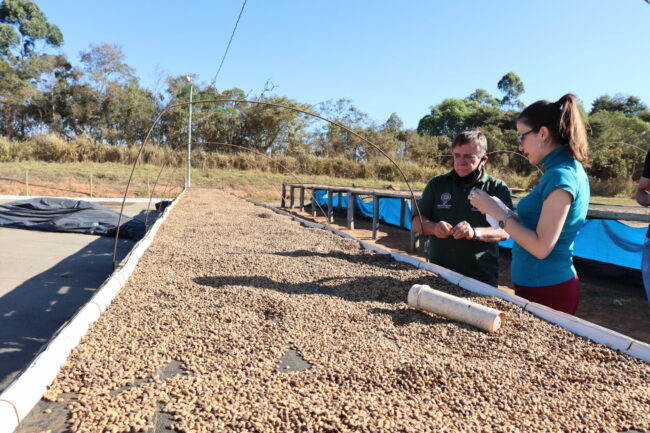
x: 412, y: 243
x: 302, y: 198
x: 91, y: 185
x: 330, y: 207
x: 402, y: 217
x: 148, y: 187
x: 284, y: 193
x: 375, y: 215
x: 313, y: 202
x: 26, y: 182
x: 352, y: 199
x: 291, y: 196
x: 340, y: 203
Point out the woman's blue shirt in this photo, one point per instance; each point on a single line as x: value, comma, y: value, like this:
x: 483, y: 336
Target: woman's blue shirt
x: 562, y: 172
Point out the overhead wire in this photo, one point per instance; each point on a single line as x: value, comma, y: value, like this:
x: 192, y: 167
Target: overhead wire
x: 214, y: 80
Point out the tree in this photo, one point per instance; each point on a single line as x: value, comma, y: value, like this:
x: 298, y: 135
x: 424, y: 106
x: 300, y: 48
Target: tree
x: 32, y: 25
x: 51, y: 107
x: 512, y: 86
x: 484, y: 98
x: 121, y: 110
x: 630, y: 105
x: 617, y: 144
x: 427, y: 151
x: 334, y: 141
x: 447, y: 118
x: 23, y: 27
x: 394, y: 123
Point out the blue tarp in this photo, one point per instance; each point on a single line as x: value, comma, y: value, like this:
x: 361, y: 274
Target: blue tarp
x: 604, y: 241
x: 389, y: 208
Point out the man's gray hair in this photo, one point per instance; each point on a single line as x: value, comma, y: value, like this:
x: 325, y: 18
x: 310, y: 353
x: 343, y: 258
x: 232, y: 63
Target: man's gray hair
x: 472, y: 136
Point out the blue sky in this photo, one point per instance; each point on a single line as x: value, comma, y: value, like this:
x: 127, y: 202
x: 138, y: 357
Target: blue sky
x: 385, y: 56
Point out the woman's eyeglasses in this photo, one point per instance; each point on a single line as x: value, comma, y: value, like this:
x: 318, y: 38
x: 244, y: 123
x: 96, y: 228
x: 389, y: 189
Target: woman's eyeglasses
x: 520, y: 137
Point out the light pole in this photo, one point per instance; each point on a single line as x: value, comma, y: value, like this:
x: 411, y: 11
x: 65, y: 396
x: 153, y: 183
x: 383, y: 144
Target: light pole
x: 188, y: 182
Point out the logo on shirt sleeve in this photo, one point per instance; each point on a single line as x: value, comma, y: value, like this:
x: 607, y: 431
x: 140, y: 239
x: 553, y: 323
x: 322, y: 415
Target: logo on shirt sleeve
x: 445, y: 197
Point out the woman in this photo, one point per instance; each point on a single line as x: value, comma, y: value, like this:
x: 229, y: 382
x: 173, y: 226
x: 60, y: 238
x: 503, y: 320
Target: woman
x: 548, y: 220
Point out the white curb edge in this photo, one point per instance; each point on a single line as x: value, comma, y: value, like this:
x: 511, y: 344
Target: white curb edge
x: 581, y: 327
x: 18, y: 399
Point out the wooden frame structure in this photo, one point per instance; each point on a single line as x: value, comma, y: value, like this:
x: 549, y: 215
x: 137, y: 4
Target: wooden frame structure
x: 621, y: 213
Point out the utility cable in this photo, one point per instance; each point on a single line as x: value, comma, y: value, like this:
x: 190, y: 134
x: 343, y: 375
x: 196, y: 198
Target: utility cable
x: 214, y: 80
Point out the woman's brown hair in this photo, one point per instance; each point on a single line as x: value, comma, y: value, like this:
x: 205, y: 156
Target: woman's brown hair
x: 563, y: 120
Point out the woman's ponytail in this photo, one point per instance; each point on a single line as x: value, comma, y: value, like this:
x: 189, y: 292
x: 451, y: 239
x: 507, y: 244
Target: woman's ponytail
x: 563, y: 120
x: 571, y: 128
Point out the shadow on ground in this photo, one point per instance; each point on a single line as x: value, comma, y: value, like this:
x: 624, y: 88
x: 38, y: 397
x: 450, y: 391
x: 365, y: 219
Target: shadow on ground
x: 31, y: 313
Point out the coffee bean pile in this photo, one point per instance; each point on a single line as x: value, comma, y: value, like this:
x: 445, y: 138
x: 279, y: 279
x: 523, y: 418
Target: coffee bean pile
x: 228, y: 288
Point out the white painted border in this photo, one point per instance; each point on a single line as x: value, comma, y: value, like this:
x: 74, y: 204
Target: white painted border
x: 18, y: 399
x: 581, y: 327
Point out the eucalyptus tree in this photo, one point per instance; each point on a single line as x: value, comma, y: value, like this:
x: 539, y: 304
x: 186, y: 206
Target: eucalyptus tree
x: 512, y: 87
x: 121, y: 111
x: 333, y: 141
x: 24, y: 34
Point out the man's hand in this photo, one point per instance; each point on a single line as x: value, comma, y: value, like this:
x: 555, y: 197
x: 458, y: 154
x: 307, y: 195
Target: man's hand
x: 463, y: 230
x: 442, y: 229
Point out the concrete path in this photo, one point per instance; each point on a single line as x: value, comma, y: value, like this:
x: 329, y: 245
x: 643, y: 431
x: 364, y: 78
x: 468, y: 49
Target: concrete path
x: 44, y: 279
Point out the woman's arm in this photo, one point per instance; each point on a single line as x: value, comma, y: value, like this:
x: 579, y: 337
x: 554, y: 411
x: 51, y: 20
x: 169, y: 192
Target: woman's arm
x: 539, y: 242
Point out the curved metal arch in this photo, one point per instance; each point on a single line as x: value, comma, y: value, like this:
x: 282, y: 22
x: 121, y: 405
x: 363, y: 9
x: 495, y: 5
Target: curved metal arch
x: 245, y: 101
x: 518, y: 154
x: 231, y: 145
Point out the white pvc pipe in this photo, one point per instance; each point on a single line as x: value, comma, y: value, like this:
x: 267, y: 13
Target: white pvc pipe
x: 576, y: 325
x: 452, y: 307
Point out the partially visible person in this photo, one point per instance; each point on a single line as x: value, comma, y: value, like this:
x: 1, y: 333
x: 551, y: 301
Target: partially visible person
x: 643, y: 198
x: 462, y: 240
x: 550, y: 216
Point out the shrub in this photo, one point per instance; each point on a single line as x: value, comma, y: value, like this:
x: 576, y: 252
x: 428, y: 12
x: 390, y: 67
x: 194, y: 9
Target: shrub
x: 621, y: 186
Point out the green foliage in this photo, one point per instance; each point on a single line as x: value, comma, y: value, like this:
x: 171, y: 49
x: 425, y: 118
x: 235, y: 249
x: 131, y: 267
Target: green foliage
x: 618, y: 144
x: 512, y: 87
x: 484, y: 98
x: 447, y: 118
x: 24, y: 25
x: 22, y: 28
x: 99, y: 112
x: 630, y: 105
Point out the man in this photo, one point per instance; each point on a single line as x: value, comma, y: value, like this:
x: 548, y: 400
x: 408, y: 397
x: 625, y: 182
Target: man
x: 643, y: 198
x: 462, y: 240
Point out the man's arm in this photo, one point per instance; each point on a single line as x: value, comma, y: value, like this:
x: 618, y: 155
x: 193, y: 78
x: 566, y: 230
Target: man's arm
x: 425, y: 206
x: 463, y: 230
x: 643, y: 188
x: 643, y: 192
x: 427, y: 227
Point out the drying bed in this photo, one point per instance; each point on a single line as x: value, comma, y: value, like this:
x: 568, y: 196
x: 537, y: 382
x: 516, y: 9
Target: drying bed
x: 278, y: 327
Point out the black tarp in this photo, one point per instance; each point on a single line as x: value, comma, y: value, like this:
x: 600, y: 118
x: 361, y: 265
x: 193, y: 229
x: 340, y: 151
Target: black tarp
x: 66, y: 215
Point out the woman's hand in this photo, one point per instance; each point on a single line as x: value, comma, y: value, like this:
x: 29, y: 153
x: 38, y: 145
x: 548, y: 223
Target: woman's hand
x: 482, y: 201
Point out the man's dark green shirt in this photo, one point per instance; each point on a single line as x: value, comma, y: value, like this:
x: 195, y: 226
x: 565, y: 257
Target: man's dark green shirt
x: 444, y: 199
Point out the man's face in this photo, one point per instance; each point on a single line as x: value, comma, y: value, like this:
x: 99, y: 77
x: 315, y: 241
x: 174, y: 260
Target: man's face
x: 466, y: 158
